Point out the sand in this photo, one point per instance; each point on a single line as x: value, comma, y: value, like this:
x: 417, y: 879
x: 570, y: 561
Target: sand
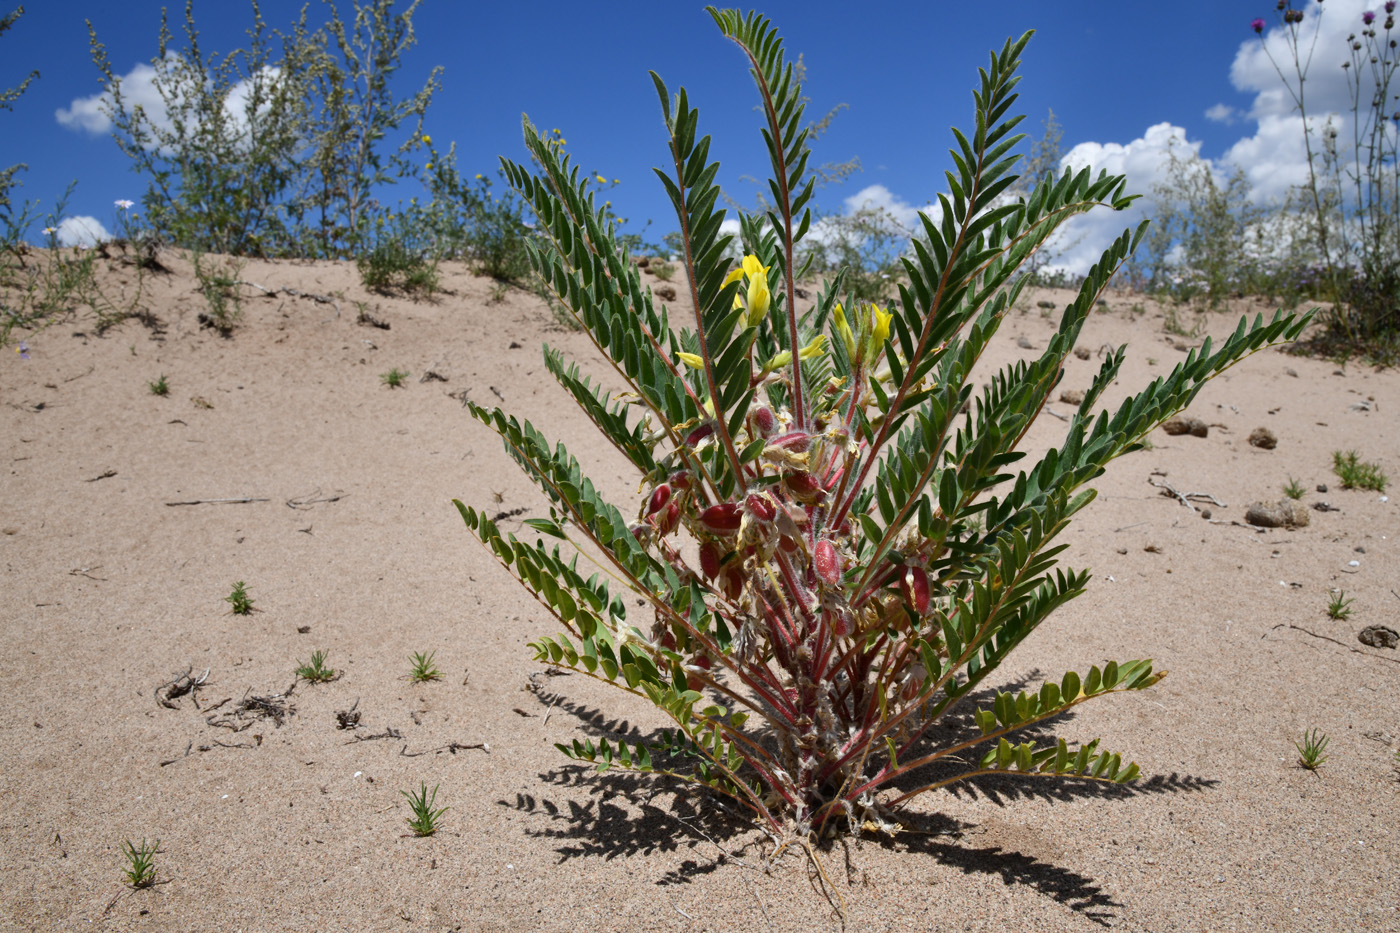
x: 353, y: 547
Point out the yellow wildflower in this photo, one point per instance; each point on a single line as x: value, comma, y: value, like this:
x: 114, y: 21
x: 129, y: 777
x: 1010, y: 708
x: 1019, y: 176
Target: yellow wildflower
x: 427, y: 140
x: 814, y: 347
x: 752, y: 267
x: 843, y: 330
x: 880, y: 331
x: 734, y: 275
x: 759, y: 298
x: 691, y: 360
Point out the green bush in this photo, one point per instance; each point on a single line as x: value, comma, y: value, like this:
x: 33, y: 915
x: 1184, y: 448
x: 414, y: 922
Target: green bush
x: 831, y: 560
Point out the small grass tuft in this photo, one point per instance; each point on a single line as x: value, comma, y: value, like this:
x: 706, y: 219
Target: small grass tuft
x: 394, y: 378
x: 423, y: 669
x: 424, y: 821
x: 141, y: 863
x: 239, y: 599
x: 1356, y: 473
x: 1294, y: 489
x: 1339, y: 607
x: 315, y: 671
x: 1310, y: 752
x: 159, y: 387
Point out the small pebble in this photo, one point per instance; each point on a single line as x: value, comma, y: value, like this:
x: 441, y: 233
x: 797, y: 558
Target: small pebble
x: 1353, y: 563
x: 1321, y: 487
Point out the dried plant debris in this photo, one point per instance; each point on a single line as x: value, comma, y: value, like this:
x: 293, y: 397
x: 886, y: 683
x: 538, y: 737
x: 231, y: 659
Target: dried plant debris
x: 186, y: 684
x: 348, y: 718
x: 274, y: 706
x: 1379, y: 636
x: 1263, y: 438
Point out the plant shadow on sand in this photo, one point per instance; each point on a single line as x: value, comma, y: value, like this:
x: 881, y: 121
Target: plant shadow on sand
x: 636, y: 814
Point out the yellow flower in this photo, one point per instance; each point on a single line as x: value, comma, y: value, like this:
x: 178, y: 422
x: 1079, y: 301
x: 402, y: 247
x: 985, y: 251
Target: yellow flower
x: 734, y: 275
x: 752, y: 267
x: 601, y: 179
x: 427, y: 140
x: 843, y: 330
x: 428, y: 167
x: 691, y: 360
x: 814, y: 347
x: 880, y: 331
x: 479, y: 176
x: 759, y: 296
x: 617, y: 181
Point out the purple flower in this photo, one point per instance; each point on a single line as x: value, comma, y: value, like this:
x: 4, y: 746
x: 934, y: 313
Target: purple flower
x: 1257, y: 25
x: 1390, y: 6
x: 1368, y: 17
x: 22, y: 350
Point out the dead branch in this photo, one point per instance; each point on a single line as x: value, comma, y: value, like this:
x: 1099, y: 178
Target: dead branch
x: 1185, y: 497
x: 212, y: 501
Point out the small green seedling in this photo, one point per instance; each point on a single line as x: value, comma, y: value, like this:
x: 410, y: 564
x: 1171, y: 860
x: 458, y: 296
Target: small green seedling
x: 1310, y: 753
x: 425, y: 819
x: 423, y: 669
x: 315, y: 671
x: 240, y: 601
x: 141, y: 861
x: 159, y: 387
x: 1339, y: 606
x: 394, y: 378
x: 1356, y: 473
x: 1294, y: 489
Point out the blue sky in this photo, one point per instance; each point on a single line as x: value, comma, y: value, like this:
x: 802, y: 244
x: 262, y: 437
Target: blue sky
x: 1110, y: 69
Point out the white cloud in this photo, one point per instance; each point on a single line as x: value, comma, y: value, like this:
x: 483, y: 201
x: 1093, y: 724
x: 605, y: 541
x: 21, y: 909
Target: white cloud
x: 879, y: 198
x: 88, y: 114
x: 1081, y: 242
x: 1272, y: 157
x: 1221, y: 113
x: 81, y: 231
x: 138, y: 89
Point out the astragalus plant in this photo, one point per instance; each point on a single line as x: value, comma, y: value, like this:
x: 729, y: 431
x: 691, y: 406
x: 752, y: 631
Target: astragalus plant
x: 832, y: 548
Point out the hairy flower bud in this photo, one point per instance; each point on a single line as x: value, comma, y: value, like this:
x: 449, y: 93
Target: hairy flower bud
x: 722, y: 519
x: 827, y: 562
x: 680, y: 480
x: 764, y: 421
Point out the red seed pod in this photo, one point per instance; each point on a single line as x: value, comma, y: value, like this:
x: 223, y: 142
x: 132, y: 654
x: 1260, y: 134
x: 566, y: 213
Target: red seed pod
x: 804, y: 487
x: 722, y: 519
x: 639, y: 531
x: 699, y: 434
x: 659, y: 497
x: 916, y: 588
x: 760, y: 507
x: 702, y: 661
x: 709, y: 559
x: 795, y: 441
x: 827, y: 562
x: 732, y: 582
x: 764, y: 421
x: 680, y: 480
x: 842, y: 621
x: 789, y: 545
x: 669, y: 518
